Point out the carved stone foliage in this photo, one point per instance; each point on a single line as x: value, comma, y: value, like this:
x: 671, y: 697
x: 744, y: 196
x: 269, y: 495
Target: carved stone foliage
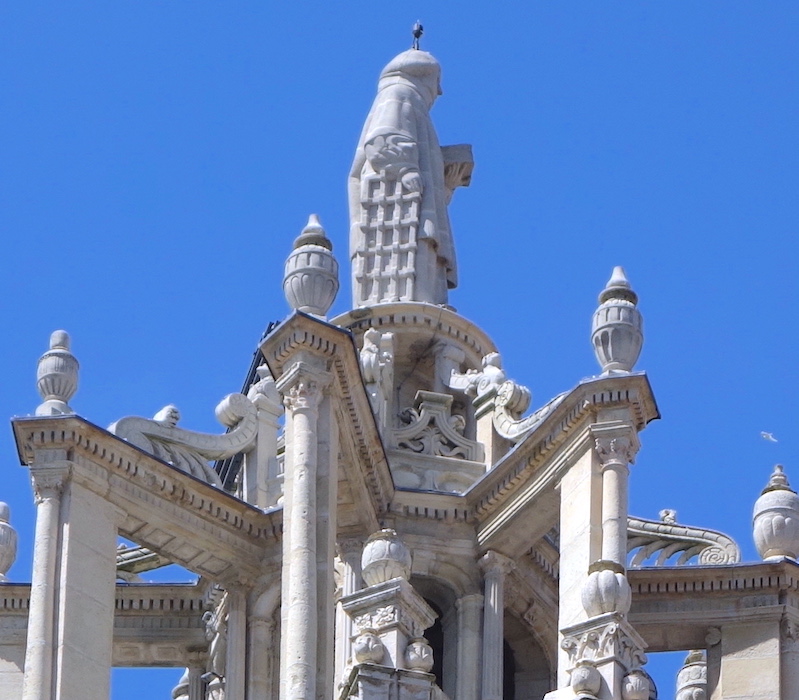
x: 620, y: 449
x: 431, y: 429
x: 649, y: 540
x: 188, y: 450
x: 610, y: 638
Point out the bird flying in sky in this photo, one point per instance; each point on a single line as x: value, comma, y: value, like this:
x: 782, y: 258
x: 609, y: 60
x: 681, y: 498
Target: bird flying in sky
x: 768, y: 436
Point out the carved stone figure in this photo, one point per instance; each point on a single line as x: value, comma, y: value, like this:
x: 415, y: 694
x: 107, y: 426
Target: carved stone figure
x: 8, y: 542
x: 400, y: 237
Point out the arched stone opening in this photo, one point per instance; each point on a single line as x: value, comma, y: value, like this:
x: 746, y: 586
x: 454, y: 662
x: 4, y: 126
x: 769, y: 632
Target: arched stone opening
x: 528, y: 675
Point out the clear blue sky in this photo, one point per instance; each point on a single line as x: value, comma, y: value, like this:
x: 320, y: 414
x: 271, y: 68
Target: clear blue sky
x: 158, y: 158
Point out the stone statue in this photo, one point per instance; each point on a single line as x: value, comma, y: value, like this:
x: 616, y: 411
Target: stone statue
x: 400, y: 239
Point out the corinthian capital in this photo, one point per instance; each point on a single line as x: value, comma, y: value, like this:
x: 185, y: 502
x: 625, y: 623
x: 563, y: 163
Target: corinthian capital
x: 48, y: 483
x: 495, y: 564
x: 302, y: 386
x: 615, y: 444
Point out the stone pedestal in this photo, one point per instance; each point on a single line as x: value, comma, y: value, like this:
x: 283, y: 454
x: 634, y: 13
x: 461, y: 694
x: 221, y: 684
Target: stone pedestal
x: 605, y: 653
x: 392, y: 612
x: 373, y: 682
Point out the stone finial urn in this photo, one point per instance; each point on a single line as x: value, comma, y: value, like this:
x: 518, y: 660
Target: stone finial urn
x: 776, y: 519
x: 617, y: 326
x: 635, y: 686
x: 310, y: 282
x: 384, y: 557
x: 57, y: 376
x: 8, y: 542
x: 692, y: 677
x: 606, y: 589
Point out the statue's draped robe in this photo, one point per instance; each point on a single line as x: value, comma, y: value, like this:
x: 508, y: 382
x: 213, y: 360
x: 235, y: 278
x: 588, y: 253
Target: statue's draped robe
x: 400, y: 238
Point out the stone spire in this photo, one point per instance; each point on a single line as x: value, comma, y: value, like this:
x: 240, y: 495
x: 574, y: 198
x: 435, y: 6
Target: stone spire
x: 400, y: 184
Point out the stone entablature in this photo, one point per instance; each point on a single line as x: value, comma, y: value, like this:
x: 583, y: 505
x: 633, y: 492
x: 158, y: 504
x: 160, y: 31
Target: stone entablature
x: 673, y: 608
x: 154, y: 624
x: 164, y: 509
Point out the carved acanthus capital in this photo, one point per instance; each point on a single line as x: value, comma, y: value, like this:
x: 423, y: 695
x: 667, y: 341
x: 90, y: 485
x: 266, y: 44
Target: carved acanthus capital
x: 496, y: 565
x: 609, y: 638
x: 615, y: 445
x: 49, y: 483
x: 350, y: 548
x: 303, y: 386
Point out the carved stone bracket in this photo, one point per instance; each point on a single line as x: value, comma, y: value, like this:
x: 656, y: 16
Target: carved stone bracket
x: 664, y: 539
x: 432, y: 429
x: 511, y: 400
x: 188, y: 450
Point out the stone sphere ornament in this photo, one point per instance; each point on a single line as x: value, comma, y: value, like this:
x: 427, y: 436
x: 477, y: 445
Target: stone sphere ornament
x: 606, y: 589
x: 419, y: 655
x: 310, y: 282
x: 367, y: 648
x: 775, y: 520
x: 585, y: 679
x: 384, y: 557
x: 692, y: 677
x: 617, y: 327
x: 8, y: 542
x: 57, y: 376
x: 635, y: 686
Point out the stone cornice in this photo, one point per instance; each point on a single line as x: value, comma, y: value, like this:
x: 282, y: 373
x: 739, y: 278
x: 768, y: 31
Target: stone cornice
x: 165, y: 508
x: 674, y: 608
x: 445, y: 323
x: 302, y: 333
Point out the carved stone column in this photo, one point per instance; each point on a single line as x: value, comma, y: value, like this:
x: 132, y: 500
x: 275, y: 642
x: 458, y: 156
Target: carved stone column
x: 302, y: 387
x: 349, y: 553
x: 235, y: 668
x: 495, y: 566
x: 616, y: 446
x: 48, y: 484
x: 470, y: 644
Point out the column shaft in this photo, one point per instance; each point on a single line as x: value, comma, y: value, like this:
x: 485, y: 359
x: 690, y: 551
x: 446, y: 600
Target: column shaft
x: 38, y: 678
x: 235, y: 660
x: 495, y: 566
x: 614, y: 512
x: 470, y: 643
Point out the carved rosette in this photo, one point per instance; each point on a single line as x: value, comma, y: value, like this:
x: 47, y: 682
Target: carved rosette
x: 385, y: 557
x: 692, y: 677
x: 776, y: 519
x: 311, y: 282
x: 617, y: 327
x: 57, y: 376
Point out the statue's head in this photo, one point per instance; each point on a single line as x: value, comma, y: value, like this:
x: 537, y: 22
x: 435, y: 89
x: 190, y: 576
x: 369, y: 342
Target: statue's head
x: 418, y: 67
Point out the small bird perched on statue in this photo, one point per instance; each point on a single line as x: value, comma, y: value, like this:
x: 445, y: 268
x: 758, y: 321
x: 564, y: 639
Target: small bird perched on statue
x: 418, y: 30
